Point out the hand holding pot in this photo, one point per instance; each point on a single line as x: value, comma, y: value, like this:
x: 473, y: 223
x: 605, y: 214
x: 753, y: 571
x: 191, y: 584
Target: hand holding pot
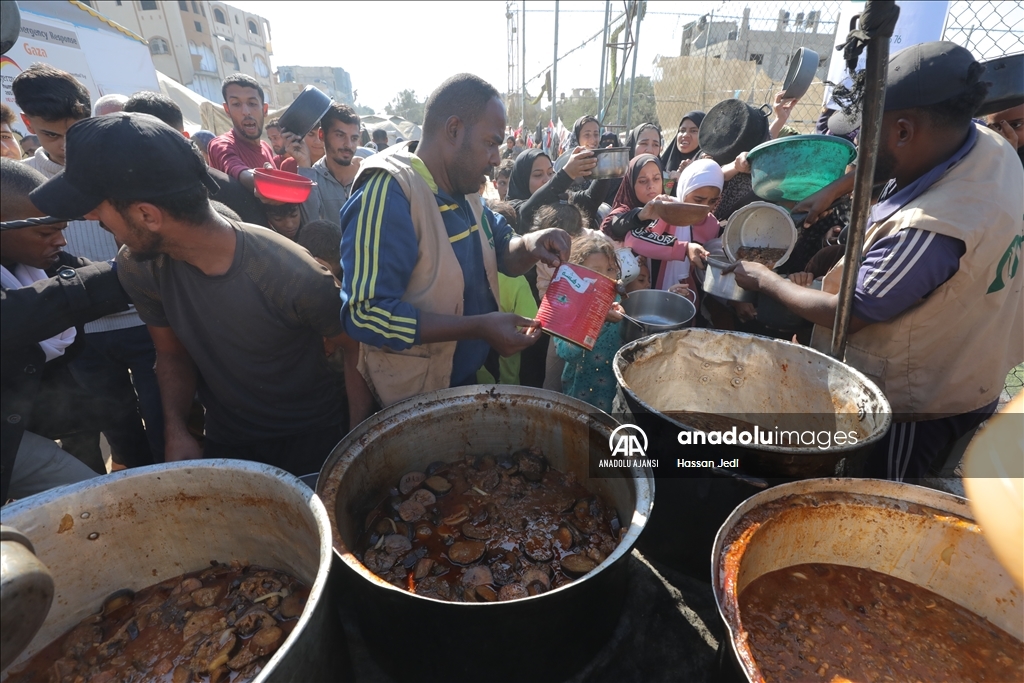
x: 296, y: 148
x: 802, y: 279
x: 581, y: 163
x: 615, y: 313
x: 697, y: 254
x: 680, y: 289
x: 748, y: 274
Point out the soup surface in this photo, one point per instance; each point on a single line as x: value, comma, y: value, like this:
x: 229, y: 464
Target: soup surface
x: 828, y: 622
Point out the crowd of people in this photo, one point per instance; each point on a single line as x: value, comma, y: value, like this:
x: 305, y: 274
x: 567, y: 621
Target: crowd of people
x: 162, y: 300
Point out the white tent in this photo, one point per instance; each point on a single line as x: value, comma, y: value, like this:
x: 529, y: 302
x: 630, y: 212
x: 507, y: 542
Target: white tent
x: 199, y: 112
x: 396, y: 127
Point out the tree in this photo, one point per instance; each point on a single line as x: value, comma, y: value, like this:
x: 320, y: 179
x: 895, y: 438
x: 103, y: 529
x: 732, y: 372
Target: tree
x: 407, y: 106
x: 363, y: 110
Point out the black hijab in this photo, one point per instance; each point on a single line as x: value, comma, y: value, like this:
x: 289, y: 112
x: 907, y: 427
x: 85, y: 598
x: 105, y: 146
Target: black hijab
x: 519, y: 181
x: 634, y: 136
x: 577, y: 128
x: 671, y: 157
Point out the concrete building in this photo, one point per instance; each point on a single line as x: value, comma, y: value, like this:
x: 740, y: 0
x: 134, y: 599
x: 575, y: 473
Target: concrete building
x: 333, y: 81
x: 770, y: 49
x: 198, y: 43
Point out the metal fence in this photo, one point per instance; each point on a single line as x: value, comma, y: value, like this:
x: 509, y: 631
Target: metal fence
x: 745, y: 54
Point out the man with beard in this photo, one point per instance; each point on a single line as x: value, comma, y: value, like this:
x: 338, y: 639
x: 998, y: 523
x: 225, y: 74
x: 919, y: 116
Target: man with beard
x: 938, y: 310
x: 335, y: 171
x: 420, y: 253
x: 236, y: 311
x: 240, y: 150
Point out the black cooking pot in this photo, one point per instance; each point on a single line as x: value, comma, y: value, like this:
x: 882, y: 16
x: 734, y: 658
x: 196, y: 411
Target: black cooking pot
x: 732, y: 127
x: 304, y: 114
x: 418, y: 638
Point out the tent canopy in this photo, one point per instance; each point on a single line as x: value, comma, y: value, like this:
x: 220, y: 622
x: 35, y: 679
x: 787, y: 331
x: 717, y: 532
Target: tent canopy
x: 199, y: 112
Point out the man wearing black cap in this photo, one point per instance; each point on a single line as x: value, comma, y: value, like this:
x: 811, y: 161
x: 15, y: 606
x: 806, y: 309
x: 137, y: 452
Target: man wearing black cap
x: 938, y: 311
x: 236, y: 311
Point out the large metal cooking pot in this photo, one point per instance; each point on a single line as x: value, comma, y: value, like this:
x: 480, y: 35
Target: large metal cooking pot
x: 681, y: 380
x: 545, y: 637
x: 137, y: 527
x: 650, y: 311
x: 920, y: 535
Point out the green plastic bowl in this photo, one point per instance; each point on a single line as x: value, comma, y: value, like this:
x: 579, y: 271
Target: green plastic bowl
x: 796, y: 166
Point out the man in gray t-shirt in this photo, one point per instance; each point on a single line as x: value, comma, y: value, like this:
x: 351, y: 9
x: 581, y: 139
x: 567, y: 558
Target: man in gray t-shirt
x: 235, y: 311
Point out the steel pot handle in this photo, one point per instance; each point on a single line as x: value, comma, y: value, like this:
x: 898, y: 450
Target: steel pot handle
x: 765, y: 109
x: 693, y: 300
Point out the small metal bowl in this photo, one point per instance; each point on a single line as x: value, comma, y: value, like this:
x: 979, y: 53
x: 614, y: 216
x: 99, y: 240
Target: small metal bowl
x: 611, y: 162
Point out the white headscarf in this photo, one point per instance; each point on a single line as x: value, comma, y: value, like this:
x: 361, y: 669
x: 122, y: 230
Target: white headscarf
x: 700, y: 173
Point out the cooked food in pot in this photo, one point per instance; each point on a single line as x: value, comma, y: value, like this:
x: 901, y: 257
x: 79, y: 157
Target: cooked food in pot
x: 488, y: 528
x: 829, y: 622
x: 219, y: 625
x: 766, y: 256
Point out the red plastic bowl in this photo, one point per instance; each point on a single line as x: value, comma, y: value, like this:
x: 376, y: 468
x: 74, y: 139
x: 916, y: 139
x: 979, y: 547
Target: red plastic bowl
x: 282, y: 186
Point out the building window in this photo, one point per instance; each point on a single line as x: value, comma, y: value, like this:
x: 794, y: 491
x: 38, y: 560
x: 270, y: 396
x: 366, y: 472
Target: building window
x: 219, y: 17
x: 202, y: 8
x: 148, y: 5
x: 229, y: 57
x: 260, y: 66
x: 159, y: 46
x: 183, y: 5
x: 199, y: 27
x: 195, y: 7
x: 236, y: 19
x: 244, y: 58
x: 118, y: 2
x: 759, y: 58
x: 253, y: 28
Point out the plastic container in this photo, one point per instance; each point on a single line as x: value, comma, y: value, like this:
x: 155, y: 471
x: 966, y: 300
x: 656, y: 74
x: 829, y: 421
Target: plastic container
x: 575, y: 305
x: 794, y: 167
x: 282, y: 186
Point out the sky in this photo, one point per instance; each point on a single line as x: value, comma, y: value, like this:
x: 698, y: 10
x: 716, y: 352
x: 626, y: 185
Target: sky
x: 416, y: 45
x: 445, y: 38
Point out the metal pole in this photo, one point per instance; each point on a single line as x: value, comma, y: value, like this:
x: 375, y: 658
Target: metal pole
x: 522, y: 84
x: 704, y: 78
x: 554, y: 79
x: 604, y: 58
x: 867, y: 154
x: 632, y: 78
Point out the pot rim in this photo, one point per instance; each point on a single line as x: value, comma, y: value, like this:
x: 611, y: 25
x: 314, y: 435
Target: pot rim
x: 619, y: 362
x: 351, y: 447
x: 316, y: 507
x: 890, y: 493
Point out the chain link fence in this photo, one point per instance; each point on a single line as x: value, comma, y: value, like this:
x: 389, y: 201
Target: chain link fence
x: 745, y: 54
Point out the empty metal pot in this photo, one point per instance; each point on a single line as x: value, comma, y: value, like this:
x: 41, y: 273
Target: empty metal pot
x: 652, y: 311
x: 545, y: 637
x: 134, y: 528
x: 304, y: 114
x: 611, y: 162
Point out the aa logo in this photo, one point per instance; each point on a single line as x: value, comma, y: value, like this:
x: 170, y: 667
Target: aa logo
x: 628, y: 441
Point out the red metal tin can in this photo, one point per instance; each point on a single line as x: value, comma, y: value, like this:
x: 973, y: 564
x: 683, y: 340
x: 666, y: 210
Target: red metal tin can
x: 575, y: 305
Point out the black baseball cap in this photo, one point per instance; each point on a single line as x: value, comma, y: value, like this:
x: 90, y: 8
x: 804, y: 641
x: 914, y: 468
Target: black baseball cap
x: 124, y: 156
x: 921, y: 75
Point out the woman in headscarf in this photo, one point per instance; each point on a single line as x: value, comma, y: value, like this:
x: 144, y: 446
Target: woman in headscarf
x: 644, y: 139
x: 686, y: 146
x: 534, y: 184
x: 700, y: 183
x: 633, y: 219
x: 586, y: 133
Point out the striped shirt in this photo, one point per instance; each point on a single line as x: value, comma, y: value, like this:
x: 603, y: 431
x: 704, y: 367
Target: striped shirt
x: 379, y: 252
